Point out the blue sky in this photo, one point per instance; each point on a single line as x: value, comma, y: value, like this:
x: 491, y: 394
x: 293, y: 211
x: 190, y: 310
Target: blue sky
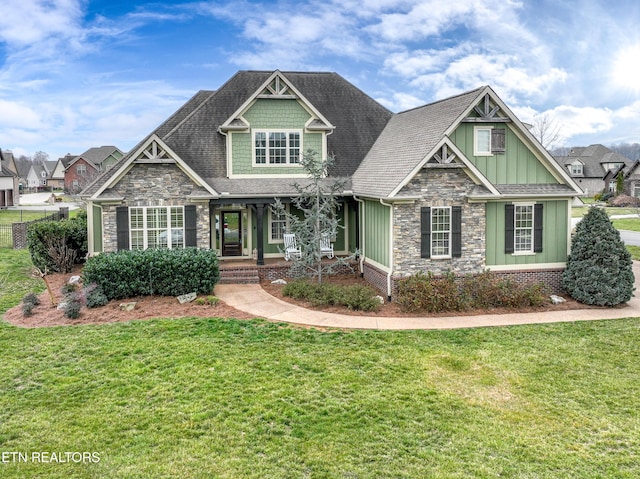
x: 76, y: 74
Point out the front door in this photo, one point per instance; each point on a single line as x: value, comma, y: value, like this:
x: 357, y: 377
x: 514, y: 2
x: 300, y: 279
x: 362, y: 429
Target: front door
x: 231, y: 235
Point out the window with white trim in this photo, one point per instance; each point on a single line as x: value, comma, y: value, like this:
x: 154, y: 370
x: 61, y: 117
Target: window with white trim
x: 277, y: 147
x: 441, y: 232
x: 488, y: 140
x: 523, y: 229
x: 576, y: 169
x: 156, y: 227
x: 277, y: 227
x: 81, y: 168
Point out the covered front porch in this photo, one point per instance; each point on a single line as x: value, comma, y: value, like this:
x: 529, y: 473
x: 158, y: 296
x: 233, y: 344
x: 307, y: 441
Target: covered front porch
x: 247, y: 230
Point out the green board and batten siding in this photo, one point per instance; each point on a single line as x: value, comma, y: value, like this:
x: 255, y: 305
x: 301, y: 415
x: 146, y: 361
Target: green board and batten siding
x: 554, y: 235
x: 376, y: 231
x: 97, y: 228
x: 518, y: 165
x: 272, y: 115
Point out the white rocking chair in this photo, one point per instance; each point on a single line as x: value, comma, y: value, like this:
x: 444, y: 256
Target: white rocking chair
x: 326, y: 247
x: 291, y: 249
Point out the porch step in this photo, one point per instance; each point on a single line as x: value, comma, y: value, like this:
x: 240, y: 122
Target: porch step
x: 239, y: 275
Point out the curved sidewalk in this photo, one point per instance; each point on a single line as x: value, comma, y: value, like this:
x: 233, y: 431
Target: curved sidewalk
x: 252, y: 299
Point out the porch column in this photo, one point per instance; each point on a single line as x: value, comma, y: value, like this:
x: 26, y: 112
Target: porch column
x: 260, y: 233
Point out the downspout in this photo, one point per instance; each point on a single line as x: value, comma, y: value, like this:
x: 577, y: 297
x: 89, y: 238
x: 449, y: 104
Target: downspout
x: 362, y: 235
x: 390, y: 248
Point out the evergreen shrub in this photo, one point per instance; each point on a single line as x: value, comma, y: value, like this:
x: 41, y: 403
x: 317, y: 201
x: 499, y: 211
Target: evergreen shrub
x: 58, y: 245
x: 599, y: 268
x: 165, y: 272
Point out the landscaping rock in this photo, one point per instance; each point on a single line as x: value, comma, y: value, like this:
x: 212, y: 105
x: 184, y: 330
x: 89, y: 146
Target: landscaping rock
x: 187, y: 298
x: 128, y: 306
x: 279, y: 281
x: 61, y: 306
x: 74, y: 279
x: 380, y: 299
x: 557, y: 299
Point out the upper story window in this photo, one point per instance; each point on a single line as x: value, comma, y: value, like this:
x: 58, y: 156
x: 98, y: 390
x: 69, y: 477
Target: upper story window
x: 488, y: 141
x: 277, y: 147
x: 81, y: 169
x: 576, y: 169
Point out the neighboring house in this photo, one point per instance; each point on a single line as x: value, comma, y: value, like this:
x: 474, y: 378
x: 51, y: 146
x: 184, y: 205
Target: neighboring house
x: 589, y: 165
x: 39, y: 174
x: 56, y: 179
x: 631, y: 179
x: 84, y: 168
x: 9, y: 180
x: 458, y: 185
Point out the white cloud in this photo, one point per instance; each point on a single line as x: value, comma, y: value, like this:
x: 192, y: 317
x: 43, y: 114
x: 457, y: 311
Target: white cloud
x: 16, y: 115
x: 24, y: 22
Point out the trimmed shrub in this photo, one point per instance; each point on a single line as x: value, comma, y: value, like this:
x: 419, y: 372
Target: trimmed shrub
x: 27, y: 309
x: 599, y: 268
x: 428, y: 293
x: 425, y: 292
x: 72, y: 306
x: 94, y: 296
x: 354, y: 297
x: 57, y: 245
x: 31, y: 298
x: 126, y: 274
x: 625, y: 201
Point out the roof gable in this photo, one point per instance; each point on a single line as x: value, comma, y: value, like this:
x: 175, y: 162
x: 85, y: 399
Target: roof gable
x: 152, y: 151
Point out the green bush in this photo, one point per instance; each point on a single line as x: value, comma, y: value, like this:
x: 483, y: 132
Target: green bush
x: 425, y: 292
x: 31, y: 298
x: 599, y: 268
x: 126, y: 274
x: 72, y: 306
x: 27, y: 309
x: 94, y: 296
x: 57, y: 245
x: 355, y: 297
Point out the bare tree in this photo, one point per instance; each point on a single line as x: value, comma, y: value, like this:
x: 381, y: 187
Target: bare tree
x: 40, y: 157
x: 547, y: 130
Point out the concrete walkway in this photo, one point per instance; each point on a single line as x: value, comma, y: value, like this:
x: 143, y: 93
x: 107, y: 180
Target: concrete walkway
x: 252, y: 299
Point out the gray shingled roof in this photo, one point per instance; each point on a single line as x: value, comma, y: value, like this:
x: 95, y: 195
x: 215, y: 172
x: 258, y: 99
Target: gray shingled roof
x: 192, y: 132
x: 592, y: 157
x: 405, y: 142
x: 535, y: 190
x: 244, y: 187
x: 98, y: 154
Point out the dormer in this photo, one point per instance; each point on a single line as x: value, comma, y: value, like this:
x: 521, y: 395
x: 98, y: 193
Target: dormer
x: 272, y: 129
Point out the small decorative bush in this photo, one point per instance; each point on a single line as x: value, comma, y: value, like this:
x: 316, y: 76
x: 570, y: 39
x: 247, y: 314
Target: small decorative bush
x: 72, y: 306
x: 355, y: 297
x: 27, y: 309
x: 69, y: 288
x: 94, y: 296
x: 213, y: 300
x: 425, y: 292
x: 126, y: 274
x: 31, y: 298
x: 625, y: 201
x: 599, y: 268
x: 428, y: 293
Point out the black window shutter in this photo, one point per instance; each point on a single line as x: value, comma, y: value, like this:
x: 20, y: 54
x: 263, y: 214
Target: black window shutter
x: 122, y: 227
x: 456, y: 231
x: 425, y: 232
x: 190, y: 226
x: 509, y: 228
x: 537, y: 228
x: 498, y: 140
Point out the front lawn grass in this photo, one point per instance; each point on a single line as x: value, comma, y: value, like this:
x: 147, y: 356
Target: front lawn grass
x: 20, y: 216
x: 196, y: 398
x: 630, y: 224
x: 251, y: 399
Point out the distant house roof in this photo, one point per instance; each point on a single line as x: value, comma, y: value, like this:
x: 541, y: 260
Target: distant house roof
x: 7, y: 164
x: 593, y: 158
x: 95, y: 156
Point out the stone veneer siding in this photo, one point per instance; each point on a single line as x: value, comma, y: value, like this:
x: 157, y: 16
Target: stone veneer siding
x: 438, y: 187
x: 155, y: 185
